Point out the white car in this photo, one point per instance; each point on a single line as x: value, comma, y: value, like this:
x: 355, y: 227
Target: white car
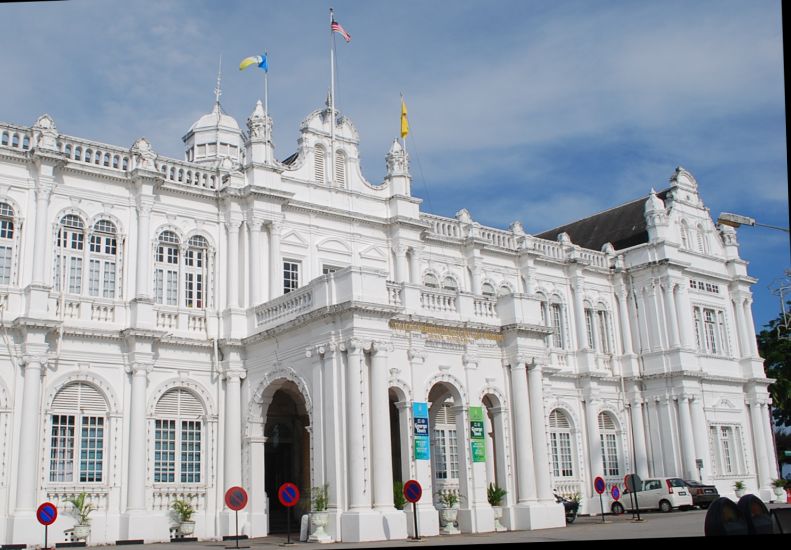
x: 661, y: 493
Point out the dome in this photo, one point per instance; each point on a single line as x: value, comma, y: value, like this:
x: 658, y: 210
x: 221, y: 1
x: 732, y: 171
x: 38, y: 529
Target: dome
x: 209, y: 120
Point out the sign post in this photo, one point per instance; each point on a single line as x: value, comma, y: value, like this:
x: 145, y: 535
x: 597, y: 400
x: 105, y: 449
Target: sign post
x: 46, y: 515
x: 288, y: 494
x: 633, y: 485
x: 236, y: 499
x: 412, y: 492
x: 599, y: 486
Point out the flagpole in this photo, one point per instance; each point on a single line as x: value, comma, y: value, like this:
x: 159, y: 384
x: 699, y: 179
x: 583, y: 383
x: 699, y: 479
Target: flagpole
x: 331, y: 171
x: 266, y: 85
x: 403, y: 139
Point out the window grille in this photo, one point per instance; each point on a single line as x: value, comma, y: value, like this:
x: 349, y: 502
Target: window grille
x: 178, y: 436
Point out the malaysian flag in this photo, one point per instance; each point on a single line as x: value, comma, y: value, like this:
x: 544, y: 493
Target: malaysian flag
x: 336, y: 27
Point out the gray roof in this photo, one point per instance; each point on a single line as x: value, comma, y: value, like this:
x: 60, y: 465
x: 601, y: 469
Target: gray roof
x: 623, y: 226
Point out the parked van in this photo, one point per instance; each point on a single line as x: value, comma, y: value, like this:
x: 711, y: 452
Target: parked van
x: 661, y: 493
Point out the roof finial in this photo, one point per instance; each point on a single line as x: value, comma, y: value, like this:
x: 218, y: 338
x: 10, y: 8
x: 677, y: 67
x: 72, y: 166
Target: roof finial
x: 218, y: 88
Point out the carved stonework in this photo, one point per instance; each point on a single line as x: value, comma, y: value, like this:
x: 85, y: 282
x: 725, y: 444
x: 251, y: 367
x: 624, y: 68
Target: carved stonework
x: 143, y: 154
x: 259, y: 124
x: 45, y: 133
x: 397, y: 161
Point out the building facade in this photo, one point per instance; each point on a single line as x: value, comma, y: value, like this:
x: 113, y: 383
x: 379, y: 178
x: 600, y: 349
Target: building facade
x: 172, y: 328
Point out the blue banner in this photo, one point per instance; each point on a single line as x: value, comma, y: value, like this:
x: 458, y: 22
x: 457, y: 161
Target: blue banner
x: 420, y: 423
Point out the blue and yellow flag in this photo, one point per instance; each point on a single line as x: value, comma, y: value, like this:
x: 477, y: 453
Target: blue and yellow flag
x: 259, y: 60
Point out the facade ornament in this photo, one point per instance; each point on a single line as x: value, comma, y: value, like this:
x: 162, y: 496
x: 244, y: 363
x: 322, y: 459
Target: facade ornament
x: 516, y: 228
x: 143, y: 154
x: 234, y: 374
x: 416, y: 356
x: 728, y: 235
x: 397, y: 161
x: 563, y: 238
x: 259, y: 123
x: 464, y: 216
x: 45, y: 134
x: 682, y: 178
x: 608, y: 249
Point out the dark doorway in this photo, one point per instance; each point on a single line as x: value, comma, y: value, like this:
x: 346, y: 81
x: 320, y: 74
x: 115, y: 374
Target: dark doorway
x: 286, y: 455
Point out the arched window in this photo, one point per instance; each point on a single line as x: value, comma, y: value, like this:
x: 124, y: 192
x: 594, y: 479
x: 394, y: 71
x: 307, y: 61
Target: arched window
x: 103, y: 254
x: 77, y: 442
x: 6, y: 242
x: 703, y: 244
x: 178, y: 438
x: 69, y: 254
x: 589, y: 327
x: 340, y: 169
x: 195, y: 272
x: 487, y: 289
x: 608, y: 435
x: 552, y: 316
x: 166, y: 271
x: 684, y: 234
x: 504, y: 290
x: 449, y: 283
x: 430, y: 280
x: 603, y: 331
x: 560, y: 444
x: 444, y: 442
x: 319, y: 157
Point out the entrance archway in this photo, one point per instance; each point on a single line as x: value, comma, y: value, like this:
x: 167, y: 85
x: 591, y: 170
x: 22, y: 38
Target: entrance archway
x: 286, y: 452
x: 448, y: 447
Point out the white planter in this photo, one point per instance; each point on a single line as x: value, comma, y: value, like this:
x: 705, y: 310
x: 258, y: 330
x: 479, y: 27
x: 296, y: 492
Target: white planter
x: 447, y: 521
x: 498, y: 514
x: 81, y: 532
x: 318, y: 521
x: 740, y: 492
x: 780, y: 492
x: 186, y: 528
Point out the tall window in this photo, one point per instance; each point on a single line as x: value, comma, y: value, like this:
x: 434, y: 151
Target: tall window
x: 319, y: 161
x: 178, y: 438
x: 560, y: 444
x: 603, y: 331
x: 609, y: 445
x: 711, y: 332
x: 6, y: 242
x: 487, y: 289
x: 449, y: 283
x: 166, y: 270
x: 195, y: 272
x: 69, y: 255
x: 290, y: 276
x: 589, y: 328
x: 340, y: 168
x: 102, y: 260
x: 703, y: 245
x: 684, y: 234
x: 726, y: 444
x: 77, y: 432
x: 445, y: 449
x: 556, y: 322
x: 430, y: 280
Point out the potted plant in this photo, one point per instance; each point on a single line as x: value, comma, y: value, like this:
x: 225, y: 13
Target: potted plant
x: 779, y: 486
x: 739, y: 488
x: 449, y: 499
x: 318, y: 516
x: 399, y: 500
x: 184, y: 510
x: 81, y: 510
x: 495, y: 494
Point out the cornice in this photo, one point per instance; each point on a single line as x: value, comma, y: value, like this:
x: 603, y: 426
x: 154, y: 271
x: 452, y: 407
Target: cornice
x: 435, y: 322
x: 529, y: 328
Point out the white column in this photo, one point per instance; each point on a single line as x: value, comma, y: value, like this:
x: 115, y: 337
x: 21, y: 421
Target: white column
x: 491, y: 477
x: 43, y: 192
x: 401, y: 271
x: 668, y: 438
x: 535, y: 388
x: 741, y: 325
x: 638, y: 432
x: 354, y: 425
x: 684, y: 316
x: 136, y: 485
x: 701, y: 439
x: 143, y: 260
x: 642, y: 315
x: 232, y: 298
x: 766, y: 422
x: 670, y: 311
x: 27, y: 478
x: 687, y: 441
x: 749, y: 330
x: 475, y: 274
x: 381, y: 448
x: 579, y: 314
x: 623, y: 314
x: 761, y: 460
x: 232, y: 474
x: 653, y: 319
x: 275, y: 262
x: 594, y: 442
x: 525, y: 479
x: 414, y: 266
x: 655, y: 434
x: 255, y: 262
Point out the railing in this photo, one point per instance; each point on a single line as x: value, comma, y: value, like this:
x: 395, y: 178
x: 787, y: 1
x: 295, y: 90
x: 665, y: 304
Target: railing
x: 558, y: 359
x: 288, y: 304
x: 168, y: 320
x: 163, y: 496
x: 498, y: 237
x: 548, y: 249
x: 568, y: 487
x: 90, y: 152
x: 93, y: 495
x: 70, y: 309
x: 103, y: 313
x: 196, y: 323
x: 185, y: 173
x: 443, y: 227
x: 484, y: 307
x: 438, y: 301
x: 14, y: 137
x: 394, y: 297
x: 596, y: 259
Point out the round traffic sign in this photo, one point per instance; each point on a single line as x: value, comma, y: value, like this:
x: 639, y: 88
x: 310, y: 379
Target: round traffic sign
x: 598, y: 484
x: 412, y: 491
x: 236, y: 498
x: 47, y: 513
x: 633, y: 483
x: 616, y: 492
x: 288, y: 494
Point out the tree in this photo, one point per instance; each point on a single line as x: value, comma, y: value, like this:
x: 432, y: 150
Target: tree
x: 774, y: 344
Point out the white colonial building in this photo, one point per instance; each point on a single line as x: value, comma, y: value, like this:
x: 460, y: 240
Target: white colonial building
x: 172, y: 328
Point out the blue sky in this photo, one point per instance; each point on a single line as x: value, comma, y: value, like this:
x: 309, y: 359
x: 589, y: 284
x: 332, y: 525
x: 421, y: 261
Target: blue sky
x: 542, y: 111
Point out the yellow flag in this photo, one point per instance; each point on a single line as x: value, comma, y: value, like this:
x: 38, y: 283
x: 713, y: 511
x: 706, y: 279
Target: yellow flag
x: 404, y: 121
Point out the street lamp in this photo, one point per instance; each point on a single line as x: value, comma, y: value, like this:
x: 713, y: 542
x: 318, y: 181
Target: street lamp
x: 736, y: 220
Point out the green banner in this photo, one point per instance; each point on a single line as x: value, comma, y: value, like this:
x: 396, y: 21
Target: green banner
x: 477, y: 435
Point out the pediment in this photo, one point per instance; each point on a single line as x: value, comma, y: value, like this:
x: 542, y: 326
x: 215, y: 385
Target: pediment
x: 294, y: 239
x: 375, y: 253
x: 334, y: 245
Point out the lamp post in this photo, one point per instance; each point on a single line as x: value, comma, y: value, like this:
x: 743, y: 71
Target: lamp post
x: 737, y: 220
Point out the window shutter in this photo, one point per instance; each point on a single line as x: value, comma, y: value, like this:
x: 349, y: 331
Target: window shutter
x: 319, y: 164
x: 559, y: 420
x: 179, y: 402
x: 79, y: 396
x: 605, y: 423
x: 340, y: 170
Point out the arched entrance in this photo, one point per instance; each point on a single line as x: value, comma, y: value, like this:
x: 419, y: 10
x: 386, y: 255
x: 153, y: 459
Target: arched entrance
x: 448, y: 451
x: 286, y: 452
